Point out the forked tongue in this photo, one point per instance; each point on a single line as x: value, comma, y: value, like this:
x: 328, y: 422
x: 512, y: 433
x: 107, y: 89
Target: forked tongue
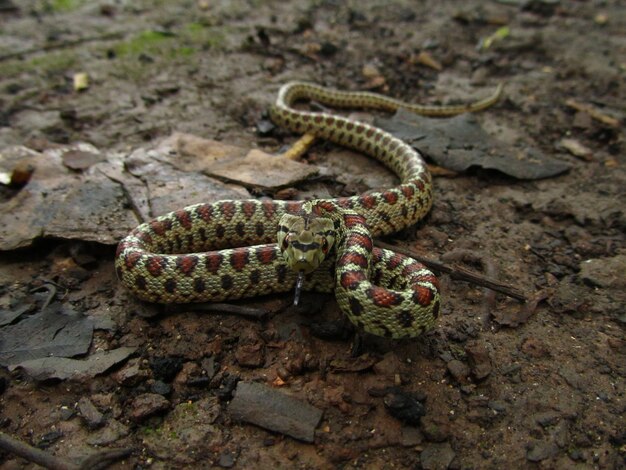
x: 299, y: 283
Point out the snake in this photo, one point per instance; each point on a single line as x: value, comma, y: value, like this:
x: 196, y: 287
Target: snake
x: 233, y: 249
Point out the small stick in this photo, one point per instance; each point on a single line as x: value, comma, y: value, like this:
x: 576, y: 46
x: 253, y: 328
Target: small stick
x: 459, y: 273
x: 233, y: 309
x: 32, y: 454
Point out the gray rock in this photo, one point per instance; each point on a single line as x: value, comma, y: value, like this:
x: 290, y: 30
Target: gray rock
x: 437, y: 456
x: 459, y: 371
x: 540, y: 450
x: 257, y: 404
x: 147, y: 405
x: 90, y: 413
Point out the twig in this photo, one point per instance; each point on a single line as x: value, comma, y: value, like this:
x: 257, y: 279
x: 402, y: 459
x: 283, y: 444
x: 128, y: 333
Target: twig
x: 32, y: 454
x: 97, y: 461
x: 460, y: 273
x: 250, y: 312
x: 61, y: 45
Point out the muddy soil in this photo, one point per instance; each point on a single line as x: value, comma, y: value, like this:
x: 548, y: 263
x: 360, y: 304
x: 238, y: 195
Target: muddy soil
x: 502, y: 385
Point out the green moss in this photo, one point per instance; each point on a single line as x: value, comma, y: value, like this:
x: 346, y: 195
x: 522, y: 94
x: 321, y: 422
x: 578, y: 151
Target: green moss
x: 51, y: 63
x: 61, y: 6
x: 146, y: 42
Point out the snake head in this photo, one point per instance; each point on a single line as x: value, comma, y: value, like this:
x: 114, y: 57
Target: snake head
x: 305, y: 241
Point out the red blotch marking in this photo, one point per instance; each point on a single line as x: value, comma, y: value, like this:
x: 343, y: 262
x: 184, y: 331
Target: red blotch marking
x: 368, y: 201
x: 407, y: 190
x: 306, y: 118
x: 390, y: 196
x: 370, y: 132
x: 343, y: 202
x: 359, y: 129
x: 420, y: 185
x: 318, y: 119
x: 360, y: 239
x: 239, y: 259
x: 266, y: 254
x: 228, y: 208
x: 160, y: 226
x: 353, y: 258
x: 183, y: 218
x: 269, y: 209
x: 386, y: 140
x: 293, y: 207
x: 431, y: 278
x: 322, y: 206
x: 205, y: 212
x: 186, y: 264
x: 155, y: 265
x: 249, y: 208
x: 213, y: 262
x: 423, y: 296
x: 393, y: 146
x: 383, y: 297
x: 351, y: 279
x: 131, y: 259
x: 353, y: 220
x: 330, y: 120
x: 350, y: 126
x: 395, y: 261
x: 340, y: 124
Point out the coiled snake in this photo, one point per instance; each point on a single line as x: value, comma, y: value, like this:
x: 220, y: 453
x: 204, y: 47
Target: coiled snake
x: 227, y: 249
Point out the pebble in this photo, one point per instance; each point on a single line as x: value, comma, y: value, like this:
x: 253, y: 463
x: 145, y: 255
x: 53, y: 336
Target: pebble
x: 405, y: 407
x: 93, y: 418
x: 131, y: 374
x: 161, y: 388
x: 147, y: 405
x: 540, y: 450
x: 459, y: 371
x: 435, y: 428
x: 479, y: 360
x: 437, y: 456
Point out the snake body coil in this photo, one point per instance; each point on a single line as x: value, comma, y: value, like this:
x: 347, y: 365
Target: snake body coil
x: 227, y: 249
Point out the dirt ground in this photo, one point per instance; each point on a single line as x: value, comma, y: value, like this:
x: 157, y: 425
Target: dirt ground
x: 502, y: 385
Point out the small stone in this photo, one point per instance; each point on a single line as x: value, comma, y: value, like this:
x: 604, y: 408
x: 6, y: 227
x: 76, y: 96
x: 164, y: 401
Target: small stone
x: 605, y: 272
x: 226, y: 460
x: 250, y: 350
x: 131, y: 374
x: 459, y: 371
x: 166, y: 368
x: 389, y: 365
x: 437, y: 456
x: 479, y: 360
x: 405, y: 407
x: 147, y: 405
x: 93, y: 418
x: 208, y: 366
x: 410, y: 436
x: 161, y: 388
x: 540, y: 450
x: 435, y: 428
x: 112, y: 432
x: 546, y: 419
x: 497, y: 405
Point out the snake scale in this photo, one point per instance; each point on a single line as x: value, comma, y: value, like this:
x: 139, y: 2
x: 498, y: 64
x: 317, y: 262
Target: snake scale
x: 228, y: 249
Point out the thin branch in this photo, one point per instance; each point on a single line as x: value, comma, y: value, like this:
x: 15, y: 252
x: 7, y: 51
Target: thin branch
x: 61, y: 45
x: 459, y: 273
x: 96, y: 461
